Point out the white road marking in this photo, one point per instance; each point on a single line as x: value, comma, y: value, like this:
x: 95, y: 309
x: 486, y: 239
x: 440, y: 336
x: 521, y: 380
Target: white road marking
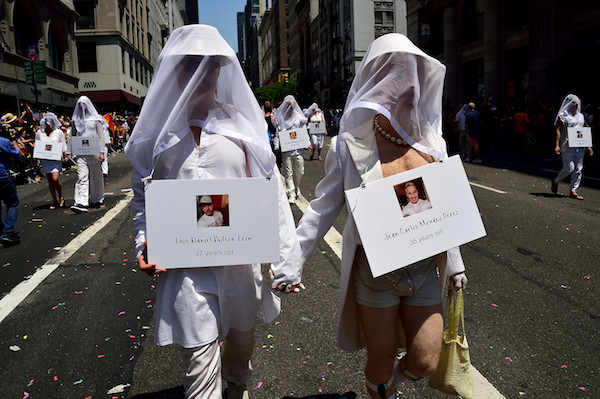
x: 23, y: 289
x: 487, y: 188
x: 482, y: 387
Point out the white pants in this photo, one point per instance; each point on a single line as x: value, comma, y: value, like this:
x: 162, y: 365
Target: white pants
x: 317, y: 140
x: 105, y: 163
x: 293, y: 169
x: 203, y: 367
x: 572, y: 160
x: 90, y: 185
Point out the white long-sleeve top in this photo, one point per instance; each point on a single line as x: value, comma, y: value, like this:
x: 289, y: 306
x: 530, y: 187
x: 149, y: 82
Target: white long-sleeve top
x: 194, y: 305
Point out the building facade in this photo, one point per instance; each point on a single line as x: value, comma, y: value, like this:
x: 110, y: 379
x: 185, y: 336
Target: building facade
x: 514, y: 51
x: 44, y: 30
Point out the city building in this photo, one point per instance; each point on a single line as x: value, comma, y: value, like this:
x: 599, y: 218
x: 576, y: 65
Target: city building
x: 44, y: 31
x: 118, y: 43
x: 516, y: 51
x: 273, y: 38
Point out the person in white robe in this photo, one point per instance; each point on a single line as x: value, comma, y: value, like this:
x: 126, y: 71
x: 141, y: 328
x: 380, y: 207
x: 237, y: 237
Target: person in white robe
x: 50, y: 132
x: 89, y: 188
x: 289, y: 115
x: 569, y: 115
x: 315, y: 115
x: 200, y: 120
x: 391, y: 123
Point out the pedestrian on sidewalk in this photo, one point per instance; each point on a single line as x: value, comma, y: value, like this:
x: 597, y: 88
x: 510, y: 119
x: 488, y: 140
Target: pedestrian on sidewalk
x: 189, y: 130
x: 315, y: 115
x: 474, y: 130
x: 391, y: 123
x: 463, y: 137
x: 89, y: 188
x: 569, y: 115
x: 9, y: 149
x: 50, y: 132
x: 289, y: 115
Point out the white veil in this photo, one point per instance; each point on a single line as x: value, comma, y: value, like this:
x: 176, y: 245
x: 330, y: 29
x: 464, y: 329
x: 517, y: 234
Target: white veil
x: 289, y: 114
x: 313, y: 109
x: 183, y: 92
x: 570, y: 112
x: 85, y: 110
x: 394, y: 77
x: 49, y: 120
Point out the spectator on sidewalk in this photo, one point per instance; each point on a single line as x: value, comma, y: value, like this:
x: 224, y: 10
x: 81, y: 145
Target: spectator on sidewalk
x: 569, y: 115
x: 473, y: 124
x: 463, y: 137
x: 9, y: 149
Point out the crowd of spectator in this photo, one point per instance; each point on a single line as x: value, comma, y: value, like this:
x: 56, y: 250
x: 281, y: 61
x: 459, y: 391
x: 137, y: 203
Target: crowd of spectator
x: 23, y: 127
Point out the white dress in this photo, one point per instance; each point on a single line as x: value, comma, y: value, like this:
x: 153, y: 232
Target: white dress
x: 195, y: 305
x: 57, y: 136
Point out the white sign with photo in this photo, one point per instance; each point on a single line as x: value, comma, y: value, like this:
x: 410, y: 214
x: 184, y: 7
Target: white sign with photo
x: 81, y: 145
x: 294, y: 139
x: 48, y: 150
x: 392, y: 240
x: 579, y: 137
x: 242, y: 227
x: 316, y: 127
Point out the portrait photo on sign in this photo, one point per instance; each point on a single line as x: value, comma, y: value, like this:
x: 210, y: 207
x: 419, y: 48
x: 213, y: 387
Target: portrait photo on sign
x: 212, y: 210
x: 85, y: 143
x: 48, y: 147
x: 412, y: 197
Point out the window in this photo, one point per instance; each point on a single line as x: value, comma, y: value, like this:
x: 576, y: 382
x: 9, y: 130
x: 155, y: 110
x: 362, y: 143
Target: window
x: 137, y: 71
x: 130, y: 66
x: 123, y: 61
x: 86, y: 53
x: 56, y: 56
x: 85, y: 9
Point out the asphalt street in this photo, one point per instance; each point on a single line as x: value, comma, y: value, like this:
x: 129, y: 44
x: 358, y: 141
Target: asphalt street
x: 85, y: 331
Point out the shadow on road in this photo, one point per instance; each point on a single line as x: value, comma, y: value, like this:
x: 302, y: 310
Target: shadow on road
x: 171, y: 393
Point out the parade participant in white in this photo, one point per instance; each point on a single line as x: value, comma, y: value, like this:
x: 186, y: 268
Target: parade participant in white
x: 50, y: 131
x: 569, y: 115
x: 289, y: 115
x: 400, y: 87
x: 89, y: 189
x: 314, y: 114
x: 200, y: 120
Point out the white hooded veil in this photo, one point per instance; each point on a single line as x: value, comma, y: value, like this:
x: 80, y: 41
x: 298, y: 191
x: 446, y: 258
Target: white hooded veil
x: 289, y: 115
x: 401, y: 82
x: 183, y: 93
x: 313, y: 109
x: 85, y: 110
x: 49, y: 120
x: 570, y: 112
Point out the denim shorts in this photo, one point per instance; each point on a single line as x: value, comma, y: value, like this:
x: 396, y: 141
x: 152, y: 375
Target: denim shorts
x: 413, y: 285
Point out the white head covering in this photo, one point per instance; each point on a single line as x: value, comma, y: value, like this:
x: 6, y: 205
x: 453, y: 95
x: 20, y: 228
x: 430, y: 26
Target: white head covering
x: 85, y: 110
x: 462, y: 110
x: 49, y: 120
x: 198, y: 82
x: 313, y: 109
x: 289, y: 114
x: 401, y: 82
x: 570, y: 112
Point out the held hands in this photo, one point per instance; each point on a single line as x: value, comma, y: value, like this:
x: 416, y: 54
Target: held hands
x: 458, y: 281
x: 286, y: 287
x: 149, y: 269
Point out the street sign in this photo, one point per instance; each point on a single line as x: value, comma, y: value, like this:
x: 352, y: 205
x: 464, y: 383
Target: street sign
x: 40, y: 72
x: 33, y: 51
x: 37, y: 69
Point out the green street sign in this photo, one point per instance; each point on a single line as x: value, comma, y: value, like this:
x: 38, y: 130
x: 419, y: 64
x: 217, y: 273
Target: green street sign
x: 37, y: 69
x: 40, y: 72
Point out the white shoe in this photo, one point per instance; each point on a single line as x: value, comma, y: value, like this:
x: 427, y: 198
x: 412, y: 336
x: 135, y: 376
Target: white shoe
x: 292, y: 200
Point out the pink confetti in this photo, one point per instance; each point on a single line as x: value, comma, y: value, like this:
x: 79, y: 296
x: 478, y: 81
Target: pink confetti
x: 259, y: 384
x: 78, y: 292
x: 587, y: 277
x: 121, y: 313
x: 6, y: 264
x: 494, y: 305
x: 508, y: 358
x: 564, y: 366
x: 26, y: 395
x: 582, y: 388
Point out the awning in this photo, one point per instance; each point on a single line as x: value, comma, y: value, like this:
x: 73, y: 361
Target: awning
x: 111, y: 96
